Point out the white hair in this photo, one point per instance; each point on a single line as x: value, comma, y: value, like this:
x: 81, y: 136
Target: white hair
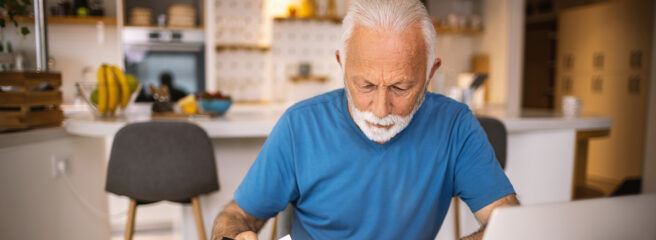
x: 389, y: 15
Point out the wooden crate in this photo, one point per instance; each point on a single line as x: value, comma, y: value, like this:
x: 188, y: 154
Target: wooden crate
x: 24, y: 105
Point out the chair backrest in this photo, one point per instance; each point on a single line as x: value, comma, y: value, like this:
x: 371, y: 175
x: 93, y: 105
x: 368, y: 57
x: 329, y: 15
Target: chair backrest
x: 497, y: 135
x: 154, y: 161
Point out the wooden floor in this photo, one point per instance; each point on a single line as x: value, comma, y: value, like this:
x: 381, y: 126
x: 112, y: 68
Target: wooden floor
x: 150, y: 235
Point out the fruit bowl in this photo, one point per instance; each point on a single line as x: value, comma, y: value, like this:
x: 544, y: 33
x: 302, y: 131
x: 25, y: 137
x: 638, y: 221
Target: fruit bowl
x: 216, y: 105
x: 86, y: 90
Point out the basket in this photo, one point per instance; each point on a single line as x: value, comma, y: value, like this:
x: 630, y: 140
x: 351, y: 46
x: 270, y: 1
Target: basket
x: 30, y: 100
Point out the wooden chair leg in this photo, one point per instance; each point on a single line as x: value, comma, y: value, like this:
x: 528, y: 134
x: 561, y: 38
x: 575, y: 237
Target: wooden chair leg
x: 274, y: 232
x: 199, y: 218
x: 456, y: 216
x: 129, y: 228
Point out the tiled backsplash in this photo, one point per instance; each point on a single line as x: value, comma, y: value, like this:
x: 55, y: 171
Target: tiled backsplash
x: 256, y: 75
x: 241, y: 22
x: 306, y: 41
x: 263, y: 75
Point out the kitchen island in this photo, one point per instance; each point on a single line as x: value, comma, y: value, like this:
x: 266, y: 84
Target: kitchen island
x: 540, y: 160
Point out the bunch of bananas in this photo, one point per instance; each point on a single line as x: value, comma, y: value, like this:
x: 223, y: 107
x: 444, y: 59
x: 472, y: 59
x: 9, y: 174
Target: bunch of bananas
x: 114, y: 89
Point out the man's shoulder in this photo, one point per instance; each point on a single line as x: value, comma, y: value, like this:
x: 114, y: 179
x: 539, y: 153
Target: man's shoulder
x: 328, y: 100
x: 441, y: 105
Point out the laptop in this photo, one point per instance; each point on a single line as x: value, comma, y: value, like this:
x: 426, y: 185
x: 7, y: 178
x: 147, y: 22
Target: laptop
x: 628, y: 217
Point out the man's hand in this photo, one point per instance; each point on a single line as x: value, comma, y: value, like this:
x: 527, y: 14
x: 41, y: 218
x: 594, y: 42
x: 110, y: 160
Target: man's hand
x: 483, y: 215
x: 250, y: 235
x: 233, y: 222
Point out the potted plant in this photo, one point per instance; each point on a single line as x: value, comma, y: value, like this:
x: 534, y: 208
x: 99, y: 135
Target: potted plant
x: 9, y: 10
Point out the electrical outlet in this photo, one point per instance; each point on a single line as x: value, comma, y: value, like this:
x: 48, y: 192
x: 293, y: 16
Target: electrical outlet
x: 59, y: 164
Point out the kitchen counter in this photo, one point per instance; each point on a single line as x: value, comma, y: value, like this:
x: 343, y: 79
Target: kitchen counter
x: 23, y: 137
x: 240, y: 121
x: 535, y: 120
x: 258, y: 120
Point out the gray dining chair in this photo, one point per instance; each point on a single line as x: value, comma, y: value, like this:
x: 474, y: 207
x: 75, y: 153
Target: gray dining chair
x: 496, y: 135
x: 498, y: 138
x: 162, y: 161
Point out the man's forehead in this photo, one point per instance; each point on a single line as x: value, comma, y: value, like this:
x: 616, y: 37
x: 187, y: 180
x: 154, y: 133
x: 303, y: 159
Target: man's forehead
x: 401, y: 79
x: 369, y: 46
x: 409, y: 40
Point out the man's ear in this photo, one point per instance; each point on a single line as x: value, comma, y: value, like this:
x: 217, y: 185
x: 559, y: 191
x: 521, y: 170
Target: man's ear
x: 436, y: 64
x: 339, y: 61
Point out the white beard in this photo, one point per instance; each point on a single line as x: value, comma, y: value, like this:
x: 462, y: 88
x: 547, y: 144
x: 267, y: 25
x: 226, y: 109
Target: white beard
x: 395, y: 123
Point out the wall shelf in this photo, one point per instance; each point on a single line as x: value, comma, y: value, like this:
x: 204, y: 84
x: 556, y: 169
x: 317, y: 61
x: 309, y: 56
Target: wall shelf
x: 69, y: 20
x: 336, y: 20
x: 155, y: 27
x: 245, y: 47
x: 311, y: 78
x: 457, y: 30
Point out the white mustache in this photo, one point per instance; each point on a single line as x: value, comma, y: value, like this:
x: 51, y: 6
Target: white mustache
x: 388, y: 120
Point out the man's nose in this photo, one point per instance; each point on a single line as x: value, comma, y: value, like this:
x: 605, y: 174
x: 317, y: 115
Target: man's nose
x: 381, y: 106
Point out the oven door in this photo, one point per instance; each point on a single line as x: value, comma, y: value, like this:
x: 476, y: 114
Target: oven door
x: 185, y: 62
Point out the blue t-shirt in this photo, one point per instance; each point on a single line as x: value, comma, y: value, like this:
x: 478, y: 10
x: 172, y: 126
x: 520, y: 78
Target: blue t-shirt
x: 344, y: 186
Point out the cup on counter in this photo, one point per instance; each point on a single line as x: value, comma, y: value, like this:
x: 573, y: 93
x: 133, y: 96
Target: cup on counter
x: 572, y: 106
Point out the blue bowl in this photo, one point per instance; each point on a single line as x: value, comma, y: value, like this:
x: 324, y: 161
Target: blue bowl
x: 216, y: 105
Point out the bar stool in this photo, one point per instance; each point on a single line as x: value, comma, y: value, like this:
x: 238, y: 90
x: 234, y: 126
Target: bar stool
x: 162, y: 161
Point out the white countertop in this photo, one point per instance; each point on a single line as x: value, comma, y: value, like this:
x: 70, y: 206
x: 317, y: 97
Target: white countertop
x: 244, y: 121
x: 240, y: 121
x: 536, y: 120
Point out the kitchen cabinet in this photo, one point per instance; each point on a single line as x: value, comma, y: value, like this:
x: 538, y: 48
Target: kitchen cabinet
x: 603, y: 57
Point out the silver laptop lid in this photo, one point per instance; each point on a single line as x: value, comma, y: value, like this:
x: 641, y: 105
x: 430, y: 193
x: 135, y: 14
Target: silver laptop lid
x: 630, y: 217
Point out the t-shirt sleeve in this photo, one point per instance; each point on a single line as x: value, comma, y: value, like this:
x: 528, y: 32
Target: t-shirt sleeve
x: 479, y: 179
x: 270, y: 183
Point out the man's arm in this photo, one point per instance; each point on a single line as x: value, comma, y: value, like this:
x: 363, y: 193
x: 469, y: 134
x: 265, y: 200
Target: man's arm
x: 233, y: 222
x: 483, y: 215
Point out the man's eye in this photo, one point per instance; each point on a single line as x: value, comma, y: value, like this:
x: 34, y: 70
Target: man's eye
x: 398, y: 88
x: 368, y: 86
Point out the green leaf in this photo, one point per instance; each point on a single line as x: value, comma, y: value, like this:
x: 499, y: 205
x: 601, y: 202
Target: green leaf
x: 21, y: 11
x: 25, y: 31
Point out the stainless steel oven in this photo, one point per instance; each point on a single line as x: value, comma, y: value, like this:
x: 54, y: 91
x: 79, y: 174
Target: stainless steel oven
x: 152, y: 53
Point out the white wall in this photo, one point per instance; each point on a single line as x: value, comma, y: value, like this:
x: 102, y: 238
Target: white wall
x: 35, y: 205
x: 73, y: 47
x: 455, y: 50
x: 495, y: 45
x: 649, y: 167
x: 503, y: 43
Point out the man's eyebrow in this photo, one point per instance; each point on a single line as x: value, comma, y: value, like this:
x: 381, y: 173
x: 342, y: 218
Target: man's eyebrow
x: 368, y: 82
x: 360, y: 80
x: 410, y: 82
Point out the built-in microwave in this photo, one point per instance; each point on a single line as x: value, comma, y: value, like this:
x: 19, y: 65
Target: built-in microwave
x: 152, y: 54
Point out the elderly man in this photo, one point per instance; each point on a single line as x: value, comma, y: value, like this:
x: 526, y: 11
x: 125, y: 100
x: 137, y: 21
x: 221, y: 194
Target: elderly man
x: 379, y: 159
